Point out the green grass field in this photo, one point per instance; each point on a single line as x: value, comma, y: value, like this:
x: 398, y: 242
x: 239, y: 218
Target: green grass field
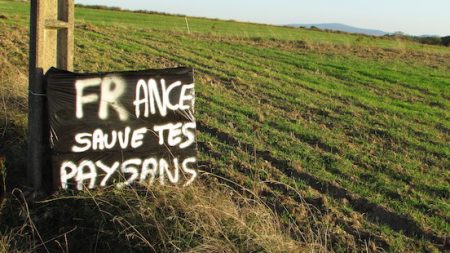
x: 343, y: 138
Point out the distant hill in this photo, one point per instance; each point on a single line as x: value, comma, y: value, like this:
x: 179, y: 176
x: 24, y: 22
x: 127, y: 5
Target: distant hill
x: 343, y: 28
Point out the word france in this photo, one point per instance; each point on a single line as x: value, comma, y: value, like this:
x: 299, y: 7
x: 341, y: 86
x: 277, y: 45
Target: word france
x: 120, y: 128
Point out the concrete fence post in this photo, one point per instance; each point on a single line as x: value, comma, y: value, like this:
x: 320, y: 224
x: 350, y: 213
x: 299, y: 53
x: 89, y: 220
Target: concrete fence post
x: 51, y: 45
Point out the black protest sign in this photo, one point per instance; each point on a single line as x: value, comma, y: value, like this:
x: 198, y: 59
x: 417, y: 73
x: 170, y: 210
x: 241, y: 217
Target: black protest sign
x: 123, y: 127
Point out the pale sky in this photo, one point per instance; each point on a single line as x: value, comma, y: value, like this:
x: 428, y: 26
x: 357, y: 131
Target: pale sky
x: 430, y: 17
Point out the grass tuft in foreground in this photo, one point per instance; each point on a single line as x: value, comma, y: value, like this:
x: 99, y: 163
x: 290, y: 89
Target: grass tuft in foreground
x: 213, y: 218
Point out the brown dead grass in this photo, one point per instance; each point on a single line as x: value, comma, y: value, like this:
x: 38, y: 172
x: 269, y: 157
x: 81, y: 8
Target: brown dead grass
x: 150, y: 218
x: 13, y: 79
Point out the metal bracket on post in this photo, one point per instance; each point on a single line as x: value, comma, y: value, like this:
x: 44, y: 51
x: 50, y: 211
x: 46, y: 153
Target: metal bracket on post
x: 51, y: 45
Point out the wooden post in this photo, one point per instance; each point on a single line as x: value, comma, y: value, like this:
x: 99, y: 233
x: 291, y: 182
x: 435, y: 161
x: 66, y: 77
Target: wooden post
x: 51, y: 44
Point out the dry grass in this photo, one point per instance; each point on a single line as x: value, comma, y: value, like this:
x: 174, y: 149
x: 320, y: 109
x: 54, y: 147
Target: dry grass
x: 148, y: 218
x: 13, y: 81
x: 13, y: 107
x: 4, y: 244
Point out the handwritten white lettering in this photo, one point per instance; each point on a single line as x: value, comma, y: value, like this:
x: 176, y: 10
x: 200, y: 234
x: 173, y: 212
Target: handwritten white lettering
x: 100, y: 140
x: 149, y: 95
x: 111, y: 89
x: 175, y: 131
x: 80, y: 86
x: 135, y: 169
